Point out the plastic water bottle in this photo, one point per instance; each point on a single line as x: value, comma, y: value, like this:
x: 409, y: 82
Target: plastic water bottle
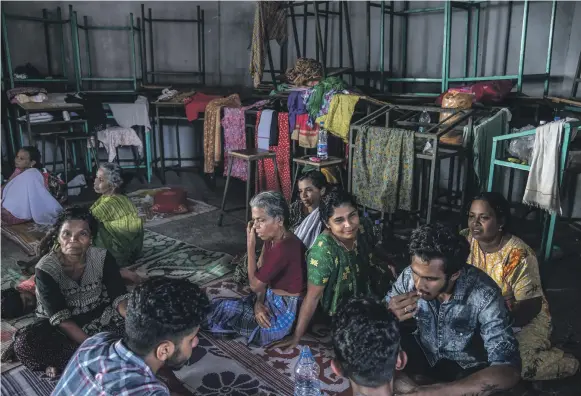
x: 322, y: 152
x: 307, y: 375
x: 425, y: 119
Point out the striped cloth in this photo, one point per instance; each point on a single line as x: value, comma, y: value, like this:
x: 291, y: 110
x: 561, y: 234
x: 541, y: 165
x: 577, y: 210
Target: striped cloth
x: 236, y: 316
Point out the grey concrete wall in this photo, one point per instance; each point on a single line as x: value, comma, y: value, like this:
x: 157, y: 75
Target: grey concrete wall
x: 228, y: 32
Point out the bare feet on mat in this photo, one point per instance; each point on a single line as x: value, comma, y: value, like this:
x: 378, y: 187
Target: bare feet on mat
x: 173, y: 383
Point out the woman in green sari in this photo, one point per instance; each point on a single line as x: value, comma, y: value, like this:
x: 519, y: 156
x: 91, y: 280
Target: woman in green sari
x: 342, y: 263
x: 121, y: 228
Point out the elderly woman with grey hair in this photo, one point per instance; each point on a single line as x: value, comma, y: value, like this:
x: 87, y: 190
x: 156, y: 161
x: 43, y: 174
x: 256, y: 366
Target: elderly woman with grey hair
x: 120, y: 228
x: 277, y: 278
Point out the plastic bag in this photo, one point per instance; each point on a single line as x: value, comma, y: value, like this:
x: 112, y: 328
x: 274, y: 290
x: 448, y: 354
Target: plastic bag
x: 522, y: 147
x: 484, y: 92
x: 454, y: 100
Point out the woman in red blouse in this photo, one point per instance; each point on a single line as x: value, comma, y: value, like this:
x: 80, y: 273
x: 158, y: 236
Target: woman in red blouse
x: 277, y: 278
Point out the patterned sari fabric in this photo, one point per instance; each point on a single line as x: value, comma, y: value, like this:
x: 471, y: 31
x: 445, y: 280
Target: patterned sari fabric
x: 236, y: 316
x: 91, y: 302
x: 121, y: 228
x: 306, y: 135
x: 283, y: 155
x: 213, y: 130
x: 338, y: 118
x: 234, y: 139
x: 383, y: 168
x: 515, y: 269
x: 346, y: 274
x: 269, y: 24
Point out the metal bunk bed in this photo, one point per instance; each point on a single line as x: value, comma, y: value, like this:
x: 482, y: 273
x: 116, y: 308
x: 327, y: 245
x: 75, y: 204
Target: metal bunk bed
x: 200, y: 74
x: 89, y: 78
x: 473, y: 9
x: 576, y: 78
x: 498, y: 145
x: 426, y: 181
x: 320, y: 10
x: 48, y: 19
x: 115, y: 95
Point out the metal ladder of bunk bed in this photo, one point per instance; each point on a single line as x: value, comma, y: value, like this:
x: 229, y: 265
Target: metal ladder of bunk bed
x: 548, y: 229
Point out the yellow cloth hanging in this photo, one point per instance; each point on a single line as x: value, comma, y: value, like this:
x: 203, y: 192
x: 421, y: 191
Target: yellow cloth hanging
x: 338, y: 118
x: 330, y: 176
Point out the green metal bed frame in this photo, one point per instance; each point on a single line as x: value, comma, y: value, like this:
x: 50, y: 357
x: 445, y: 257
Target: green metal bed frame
x: 427, y: 183
x: 46, y: 20
x: 473, y: 9
x: 321, y: 12
x: 146, y: 73
x: 548, y: 227
x: 576, y: 78
x: 86, y: 27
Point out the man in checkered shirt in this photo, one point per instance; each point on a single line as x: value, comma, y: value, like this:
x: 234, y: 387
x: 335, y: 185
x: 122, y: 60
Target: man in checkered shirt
x: 163, y: 319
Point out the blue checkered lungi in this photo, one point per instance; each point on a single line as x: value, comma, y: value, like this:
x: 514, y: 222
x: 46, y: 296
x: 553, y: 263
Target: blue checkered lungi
x: 236, y: 316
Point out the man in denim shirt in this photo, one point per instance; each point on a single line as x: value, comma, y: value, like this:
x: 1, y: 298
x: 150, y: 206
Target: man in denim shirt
x: 463, y: 337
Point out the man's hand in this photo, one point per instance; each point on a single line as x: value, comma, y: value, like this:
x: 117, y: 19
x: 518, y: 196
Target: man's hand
x: 404, y: 306
x: 262, y: 315
x: 284, y: 344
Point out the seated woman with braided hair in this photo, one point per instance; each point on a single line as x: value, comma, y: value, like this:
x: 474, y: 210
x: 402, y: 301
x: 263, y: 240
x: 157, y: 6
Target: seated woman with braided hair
x: 343, y: 263
x: 79, y: 293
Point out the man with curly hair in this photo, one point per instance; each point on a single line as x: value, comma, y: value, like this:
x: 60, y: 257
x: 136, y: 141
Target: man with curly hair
x: 463, y: 338
x: 161, y: 327
x: 366, y: 342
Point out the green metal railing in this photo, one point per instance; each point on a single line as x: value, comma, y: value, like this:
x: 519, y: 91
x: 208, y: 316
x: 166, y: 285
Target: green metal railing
x: 47, y: 21
x: 473, y: 9
x: 150, y: 73
x: 80, y: 78
x: 548, y: 229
